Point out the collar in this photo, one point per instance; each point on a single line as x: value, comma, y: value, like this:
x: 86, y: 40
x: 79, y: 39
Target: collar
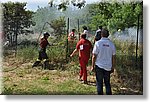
x: 98, y: 30
x: 104, y: 38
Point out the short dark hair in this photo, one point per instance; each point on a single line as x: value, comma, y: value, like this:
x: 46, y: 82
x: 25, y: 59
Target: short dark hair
x: 73, y: 30
x: 84, y: 27
x: 83, y: 36
x: 100, y: 27
x: 105, y: 33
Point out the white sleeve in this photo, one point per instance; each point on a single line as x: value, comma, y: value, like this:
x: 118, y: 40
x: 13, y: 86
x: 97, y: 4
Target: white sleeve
x: 95, y: 49
x: 114, y: 49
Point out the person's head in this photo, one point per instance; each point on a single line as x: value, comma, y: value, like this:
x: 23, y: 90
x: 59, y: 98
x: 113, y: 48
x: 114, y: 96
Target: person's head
x: 46, y: 34
x: 73, y: 30
x: 100, y: 27
x: 83, y: 36
x: 104, y: 33
x: 84, y: 27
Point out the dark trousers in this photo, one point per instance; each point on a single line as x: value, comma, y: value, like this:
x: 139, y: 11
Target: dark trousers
x: 42, y: 54
x: 100, y: 75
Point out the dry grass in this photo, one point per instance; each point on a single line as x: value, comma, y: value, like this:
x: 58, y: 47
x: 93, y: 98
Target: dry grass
x: 20, y: 78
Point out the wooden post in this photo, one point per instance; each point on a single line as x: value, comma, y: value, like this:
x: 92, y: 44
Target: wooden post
x: 79, y: 29
x: 137, y: 39
x: 16, y: 30
x: 16, y: 42
x: 67, y: 40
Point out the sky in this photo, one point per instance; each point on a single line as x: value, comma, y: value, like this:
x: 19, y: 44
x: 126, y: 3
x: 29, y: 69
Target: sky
x: 33, y: 4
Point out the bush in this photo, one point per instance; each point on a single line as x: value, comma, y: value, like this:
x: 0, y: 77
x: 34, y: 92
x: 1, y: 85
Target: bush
x: 27, y: 53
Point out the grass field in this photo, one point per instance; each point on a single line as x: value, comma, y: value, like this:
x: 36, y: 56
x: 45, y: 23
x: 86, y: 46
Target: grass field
x: 62, y: 78
x: 20, y: 78
x: 23, y: 79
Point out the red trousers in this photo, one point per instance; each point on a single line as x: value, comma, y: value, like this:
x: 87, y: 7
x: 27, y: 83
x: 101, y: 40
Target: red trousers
x: 83, y: 69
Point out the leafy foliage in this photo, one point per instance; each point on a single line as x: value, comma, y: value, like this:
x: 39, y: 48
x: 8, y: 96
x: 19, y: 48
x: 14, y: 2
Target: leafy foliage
x: 16, y: 19
x: 59, y: 26
x: 65, y: 3
x: 116, y: 15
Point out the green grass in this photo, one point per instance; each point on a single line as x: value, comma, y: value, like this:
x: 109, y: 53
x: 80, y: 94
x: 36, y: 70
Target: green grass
x: 26, y: 81
x: 27, y: 53
x: 20, y: 78
x: 44, y: 82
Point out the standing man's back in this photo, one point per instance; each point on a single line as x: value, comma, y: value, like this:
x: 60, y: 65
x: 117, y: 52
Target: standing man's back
x: 105, y: 50
x: 103, y: 61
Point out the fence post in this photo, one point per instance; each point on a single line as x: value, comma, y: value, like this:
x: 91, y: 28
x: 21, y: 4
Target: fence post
x: 137, y: 39
x: 67, y: 40
x: 16, y: 30
x: 79, y: 28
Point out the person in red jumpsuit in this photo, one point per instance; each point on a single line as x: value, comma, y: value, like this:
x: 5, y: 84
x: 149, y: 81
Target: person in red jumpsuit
x: 84, y: 47
x: 71, y: 40
x: 42, y: 50
x: 71, y: 36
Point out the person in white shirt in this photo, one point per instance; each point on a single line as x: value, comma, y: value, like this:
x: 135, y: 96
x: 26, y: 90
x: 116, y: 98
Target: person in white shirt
x: 98, y: 34
x: 103, y: 62
x: 85, y: 31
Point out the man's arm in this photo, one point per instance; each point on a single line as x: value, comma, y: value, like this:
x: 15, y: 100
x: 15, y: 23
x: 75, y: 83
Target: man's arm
x: 113, y: 63
x: 73, y: 52
x: 93, y: 62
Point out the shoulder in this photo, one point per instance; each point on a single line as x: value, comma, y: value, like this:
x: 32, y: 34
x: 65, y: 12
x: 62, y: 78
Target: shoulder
x: 99, y: 30
x: 112, y: 44
x: 42, y: 39
x: 80, y: 41
x: 85, y: 31
x: 97, y: 43
x: 88, y: 41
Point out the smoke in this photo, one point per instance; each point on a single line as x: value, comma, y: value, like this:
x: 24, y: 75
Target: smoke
x: 130, y: 35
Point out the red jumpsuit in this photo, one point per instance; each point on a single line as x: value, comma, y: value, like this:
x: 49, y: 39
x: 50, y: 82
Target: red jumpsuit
x: 71, y: 39
x: 84, y: 46
x: 71, y: 36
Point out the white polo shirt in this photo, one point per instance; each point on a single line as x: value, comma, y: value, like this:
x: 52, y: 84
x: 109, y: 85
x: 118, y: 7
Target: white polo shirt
x: 104, y: 49
x: 87, y: 33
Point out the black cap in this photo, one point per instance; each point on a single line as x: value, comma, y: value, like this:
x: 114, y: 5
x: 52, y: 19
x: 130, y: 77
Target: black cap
x: 46, y: 33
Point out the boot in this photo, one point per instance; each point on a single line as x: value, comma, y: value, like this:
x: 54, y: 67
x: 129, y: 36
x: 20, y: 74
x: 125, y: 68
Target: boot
x: 36, y: 64
x: 46, y: 65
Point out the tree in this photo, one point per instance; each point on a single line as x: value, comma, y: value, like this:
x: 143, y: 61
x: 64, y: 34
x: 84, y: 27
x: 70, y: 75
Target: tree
x: 115, y: 15
x: 16, y: 19
x: 65, y: 3
x: 58, y: 26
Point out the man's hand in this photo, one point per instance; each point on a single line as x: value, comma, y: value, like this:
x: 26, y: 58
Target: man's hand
x: 71, y: 55
x: 93, y: 69
x: 113, y: 63
x: 73, y: 52
x: 112, y: 70
x: 93, y: 62
x: 50, y: 44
